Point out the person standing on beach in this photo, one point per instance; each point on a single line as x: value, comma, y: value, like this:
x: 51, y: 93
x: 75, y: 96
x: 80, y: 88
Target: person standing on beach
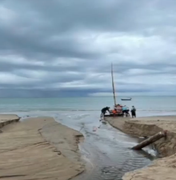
x: 125, y: 110
x: 133, y: 112
x: 103, y: 112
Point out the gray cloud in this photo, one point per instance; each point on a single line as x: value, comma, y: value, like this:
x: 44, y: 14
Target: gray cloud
x: 67, y: 47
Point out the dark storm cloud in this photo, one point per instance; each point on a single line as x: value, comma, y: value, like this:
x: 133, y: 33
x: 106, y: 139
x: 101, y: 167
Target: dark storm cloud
x: 67, y: 47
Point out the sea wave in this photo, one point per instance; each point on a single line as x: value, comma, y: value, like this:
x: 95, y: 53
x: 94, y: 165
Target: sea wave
x: 78, y: 110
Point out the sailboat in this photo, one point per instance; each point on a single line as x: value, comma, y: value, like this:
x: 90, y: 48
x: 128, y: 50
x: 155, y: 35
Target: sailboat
x: 113, y: 86
x: 114, y: 93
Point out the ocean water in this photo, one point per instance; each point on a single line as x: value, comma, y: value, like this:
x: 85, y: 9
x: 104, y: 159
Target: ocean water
x: 146, y: 106
x: 107, y: 149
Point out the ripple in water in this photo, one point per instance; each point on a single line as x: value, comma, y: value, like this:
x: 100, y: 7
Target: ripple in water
x: 106, y: 150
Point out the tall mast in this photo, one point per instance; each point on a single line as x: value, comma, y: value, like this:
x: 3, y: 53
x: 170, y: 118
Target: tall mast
x: 113, y: 87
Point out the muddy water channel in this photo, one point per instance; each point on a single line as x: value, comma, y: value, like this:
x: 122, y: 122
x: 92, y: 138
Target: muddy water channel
x: 105, y: 150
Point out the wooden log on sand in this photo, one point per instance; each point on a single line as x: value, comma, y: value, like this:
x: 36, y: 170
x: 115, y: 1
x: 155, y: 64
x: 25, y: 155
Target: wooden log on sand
x: 149, y: 141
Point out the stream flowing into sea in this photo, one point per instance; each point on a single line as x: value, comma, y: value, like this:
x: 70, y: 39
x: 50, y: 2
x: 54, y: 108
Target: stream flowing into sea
x: 105, y: 150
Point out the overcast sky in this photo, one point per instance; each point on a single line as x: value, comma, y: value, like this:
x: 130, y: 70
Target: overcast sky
x: 66, y: 47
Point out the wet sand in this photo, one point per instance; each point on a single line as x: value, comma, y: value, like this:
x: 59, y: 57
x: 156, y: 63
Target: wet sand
x: 39, y: 148
x: 163, y: 168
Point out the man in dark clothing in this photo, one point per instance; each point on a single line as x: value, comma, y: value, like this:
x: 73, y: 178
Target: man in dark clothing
x: 103, y: 111
x: 133, y: 112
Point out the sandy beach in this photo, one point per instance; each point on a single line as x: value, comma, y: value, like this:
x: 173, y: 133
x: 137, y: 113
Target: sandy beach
x: 163, y: 168
x: 39, y: 148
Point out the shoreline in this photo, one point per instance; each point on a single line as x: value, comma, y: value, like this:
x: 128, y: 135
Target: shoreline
x: 59, y: 158
x: 34, y: 151
x: 161, y: 168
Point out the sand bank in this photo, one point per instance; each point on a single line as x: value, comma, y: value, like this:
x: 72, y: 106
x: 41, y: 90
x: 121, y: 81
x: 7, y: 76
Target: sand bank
x: 163, y: 168
x: 6, y: 119
x: 39, y: 148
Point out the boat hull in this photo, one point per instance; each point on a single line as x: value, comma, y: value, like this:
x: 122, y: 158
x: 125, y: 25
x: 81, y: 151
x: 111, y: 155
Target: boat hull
x: 113, y: 115
x: 126, y: 99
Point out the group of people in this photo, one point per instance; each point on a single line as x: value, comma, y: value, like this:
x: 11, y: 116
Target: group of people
x: 119, y: 109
